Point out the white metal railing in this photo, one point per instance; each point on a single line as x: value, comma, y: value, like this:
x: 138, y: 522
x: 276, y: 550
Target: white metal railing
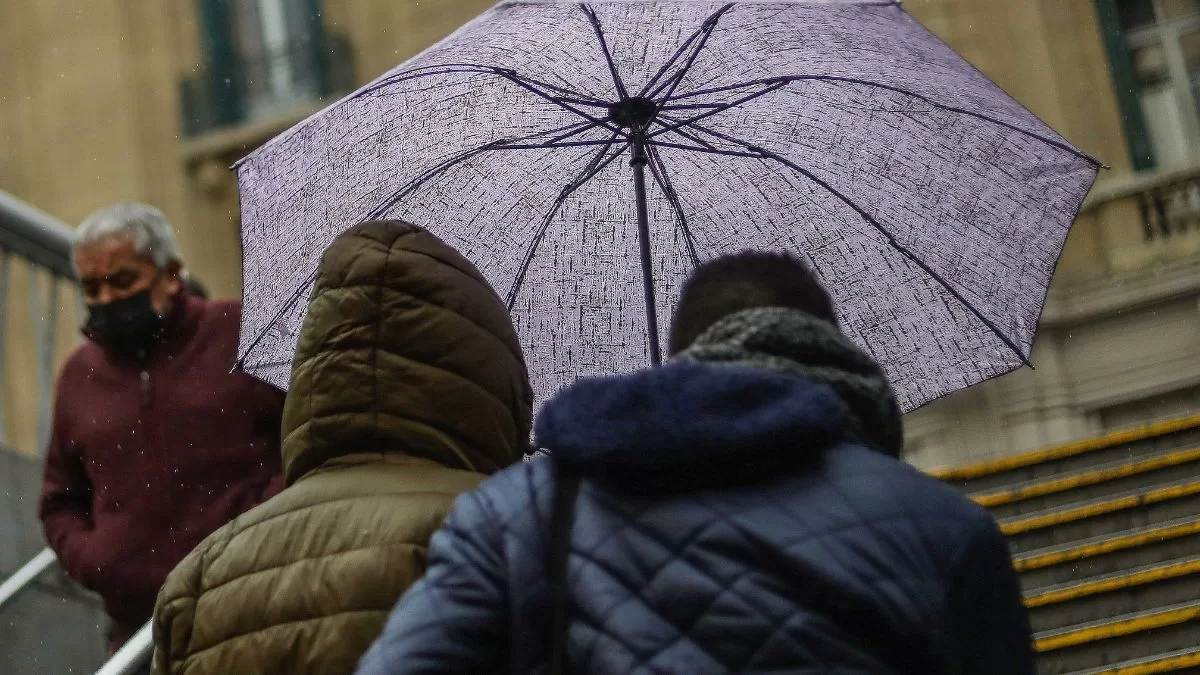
x: 133, y: 655
x: 44, y: 243
x: 25, y: 576
x: 35, y: 235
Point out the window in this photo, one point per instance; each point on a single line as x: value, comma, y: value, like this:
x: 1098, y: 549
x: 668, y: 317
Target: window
x: 1154, y: 54
x: 262, y: 58
x: 274, y: 50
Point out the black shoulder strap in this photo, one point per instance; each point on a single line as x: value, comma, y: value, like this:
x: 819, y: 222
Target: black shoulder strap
x: 563, y: 518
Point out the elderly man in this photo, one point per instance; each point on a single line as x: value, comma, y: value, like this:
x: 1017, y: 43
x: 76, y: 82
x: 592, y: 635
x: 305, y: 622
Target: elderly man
x: 155, y: 443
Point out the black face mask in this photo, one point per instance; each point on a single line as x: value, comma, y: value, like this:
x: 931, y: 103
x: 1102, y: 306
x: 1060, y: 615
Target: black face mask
x: 127, y: 325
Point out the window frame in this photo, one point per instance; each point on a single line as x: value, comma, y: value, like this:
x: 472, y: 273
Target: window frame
x: 1120, y: 45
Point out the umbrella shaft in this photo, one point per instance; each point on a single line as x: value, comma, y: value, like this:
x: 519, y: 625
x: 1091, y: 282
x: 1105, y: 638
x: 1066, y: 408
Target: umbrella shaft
x: 638, y: 162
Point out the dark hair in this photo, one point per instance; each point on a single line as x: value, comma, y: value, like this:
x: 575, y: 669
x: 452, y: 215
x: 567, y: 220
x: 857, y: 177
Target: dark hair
x: 193, y: 287
x: 741, y: 281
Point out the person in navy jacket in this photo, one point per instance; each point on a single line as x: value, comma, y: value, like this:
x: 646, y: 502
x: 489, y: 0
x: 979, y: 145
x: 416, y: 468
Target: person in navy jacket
x: 741, y: 509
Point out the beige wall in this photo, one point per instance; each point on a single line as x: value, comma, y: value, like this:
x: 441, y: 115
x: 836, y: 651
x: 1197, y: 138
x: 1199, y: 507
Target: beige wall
x: 89, y: 116
x: 1047, y: 54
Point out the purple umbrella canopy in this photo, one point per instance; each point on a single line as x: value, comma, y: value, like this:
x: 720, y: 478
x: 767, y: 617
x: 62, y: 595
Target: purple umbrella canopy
x: 931, y: 204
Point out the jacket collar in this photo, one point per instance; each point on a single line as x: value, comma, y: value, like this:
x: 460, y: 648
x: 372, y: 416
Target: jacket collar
x: 792, y: 342
x: 762, y: 391
x: 691, y: 425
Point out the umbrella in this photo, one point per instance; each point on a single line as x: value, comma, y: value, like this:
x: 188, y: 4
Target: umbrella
x: 586, y: 157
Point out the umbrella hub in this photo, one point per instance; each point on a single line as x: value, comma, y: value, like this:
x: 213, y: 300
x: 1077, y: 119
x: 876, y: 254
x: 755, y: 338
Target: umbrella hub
x: 635, y: 113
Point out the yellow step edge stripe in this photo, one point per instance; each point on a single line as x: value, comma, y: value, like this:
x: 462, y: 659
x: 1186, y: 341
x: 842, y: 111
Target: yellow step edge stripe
x: 1169, y: 664
x: 1083, y: 590
x: 980, y: 469
x: 1038, y: 561
x: 1048, y: 487
x: 1118, y: 628
x: 1023, y: 525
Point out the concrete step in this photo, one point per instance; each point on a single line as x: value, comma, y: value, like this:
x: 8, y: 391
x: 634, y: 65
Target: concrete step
x: 1124, y: 445
x: 1120, y: 638
x: 1093, y: 483
x: 1180, y: 662
x: 1140, y: 507
x: 1110, y: 595
x: 1108, y: 554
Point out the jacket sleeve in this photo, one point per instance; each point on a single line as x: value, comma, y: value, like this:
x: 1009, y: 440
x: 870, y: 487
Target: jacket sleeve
x: 175, y: 613
x: 987, y: 625
x: 65, y: 508
x: 454, y: 619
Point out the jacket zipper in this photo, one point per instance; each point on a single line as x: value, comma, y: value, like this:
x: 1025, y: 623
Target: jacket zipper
x: 146, y: 393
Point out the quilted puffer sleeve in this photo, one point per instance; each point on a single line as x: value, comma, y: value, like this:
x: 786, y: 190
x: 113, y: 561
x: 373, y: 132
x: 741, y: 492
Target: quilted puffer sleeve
x: 174, y: 616
x: 987, y: 625
x: 454, y: 620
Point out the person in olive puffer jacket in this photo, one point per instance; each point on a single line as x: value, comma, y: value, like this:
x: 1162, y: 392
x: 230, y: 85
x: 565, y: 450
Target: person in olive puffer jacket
x: 741, y: 509
x: 408, y: 386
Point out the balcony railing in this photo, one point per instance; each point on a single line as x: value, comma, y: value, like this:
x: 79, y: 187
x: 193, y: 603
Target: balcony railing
x: 1168, y: 202
x: 1170, y: 209
x: 265, y: 83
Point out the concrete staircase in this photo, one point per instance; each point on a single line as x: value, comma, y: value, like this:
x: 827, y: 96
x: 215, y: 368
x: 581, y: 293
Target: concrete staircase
x: 54, y: 626
x: 1105, y: 534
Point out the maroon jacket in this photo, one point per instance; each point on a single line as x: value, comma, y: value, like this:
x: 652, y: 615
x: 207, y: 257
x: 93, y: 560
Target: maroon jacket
x: 146, y: 461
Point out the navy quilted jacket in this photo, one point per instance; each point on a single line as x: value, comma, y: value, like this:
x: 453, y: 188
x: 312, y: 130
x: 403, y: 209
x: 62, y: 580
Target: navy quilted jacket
x: 726, y: 523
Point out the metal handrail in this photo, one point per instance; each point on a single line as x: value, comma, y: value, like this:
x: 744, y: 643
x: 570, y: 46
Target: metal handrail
x: 36, y: 235
x: 26, y: 575
x: 133, y: 654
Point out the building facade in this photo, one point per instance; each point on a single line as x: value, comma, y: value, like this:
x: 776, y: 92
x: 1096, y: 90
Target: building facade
x: 107, y: 101
x: 1120, y: 337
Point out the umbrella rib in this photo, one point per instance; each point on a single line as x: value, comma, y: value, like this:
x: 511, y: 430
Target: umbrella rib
x: 694, y: 106
x: 267, y: 364
x: 707, y: 150
x: 378, y: 211
x: 570, y: 130
x: 425, y: 71
x: 899, y: 90
x: 691, y: 137
x: 594, y: 167
x: 591, y: 100
x: 659, y: 170
x: 677, y: 124
x: 541, y: 146
x: 373, y: 214
x: 670, y: 61
x: 500, y: 144
x: 287, y: 304
x: 513, y: 77
x: 703, y: 32
x: 612, y: 65
x: 478, y: 68
x: 767, y: 154
x: 587, y: 103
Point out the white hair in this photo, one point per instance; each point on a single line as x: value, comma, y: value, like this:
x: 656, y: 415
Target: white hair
x: 152, y: 235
